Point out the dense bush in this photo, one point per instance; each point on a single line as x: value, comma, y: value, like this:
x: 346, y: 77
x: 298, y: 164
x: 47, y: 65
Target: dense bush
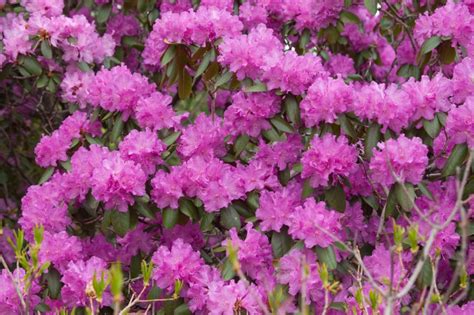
x: 237, y: 157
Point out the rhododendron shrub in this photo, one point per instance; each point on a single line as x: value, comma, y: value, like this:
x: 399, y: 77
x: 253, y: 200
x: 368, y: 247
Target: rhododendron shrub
x: 237, y: 157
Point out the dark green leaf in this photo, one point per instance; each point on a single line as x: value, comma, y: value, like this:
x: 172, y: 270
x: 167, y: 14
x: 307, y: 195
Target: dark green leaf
x: 326, y: 255
x: 446, y: 52
x: 336, y: 198
x: 142, y: 6
x: 46, y: 175
x: 42, y: 81
x: 281, y: 124
x: 292, y: 110
x: 223, y: 79
x: 349, y: 17
x: 258, y: 87
x: 240, y: 144
x: 281, y: 244
x: 203, y: 65
x: 405, y: 197
x: 168, y: 55
x: 103, y: 13
x: 230, y: 218
x: 31, y: 65
x: 455, y: 160
x: 188, y: 208
x: 425, y: 191
x: 170, y: 218
x: 183, y: 309
x: 426, y: 275
x: 371, y: 140
x: 170, y: 139
x: 371, y: 6
x: 227, y: 270
x: 347, y: 126
x: 121, y: 222
x: 145, y: 210
x: 132, y: 41
x: 430, y: 44
x: 117, y: 129
x: 432, y: 127
x: 53, y: 280
x: 185, y: 85
x: 46, y: 50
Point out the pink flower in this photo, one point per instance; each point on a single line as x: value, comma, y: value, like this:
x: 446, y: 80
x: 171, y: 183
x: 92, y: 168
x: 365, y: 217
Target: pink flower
x: 460, y: 123
x: 254, y: 253
x: 305, y: 221
x: 77, y: 278
x: 143, y: 148
x: 326, y: 98
x: 52, y: 149
x: 328, y: 157
x: 429, y: 96
x: 179, y: 262
x: 155, y: 112
x: 463, y: 80
x: 277, y: 206
x: 44, y: 7
x: 248, y: 113
x: 118, y: 89
x: 291, y: 270
x: 405, y: 158
x: 116, y: 181
x: 59, y: 249
x: 192, y: 141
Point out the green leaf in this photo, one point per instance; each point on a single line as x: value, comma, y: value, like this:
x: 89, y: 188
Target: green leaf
x: 223, y: 79
x: 144, y: 210
x: 185, y: 85
x: 371, y: 140
x: 281, y: 124
x: 446, y: 52
x: 240, y: 144
x: 103, y: 13
x: 425, y: 191
x: 46, y: 50
x: 455, y: 160
x: 183, y: 309
x: 168, y: 55
x: 170, y: 218
x: 227, y: 270
x: 430, y: 44
x: 204, y: 64
x: 371, y: 6
x: 117, y: 129
x: 230, y: 218
x: 426, y: 275
x: 336, y: 198
x: 141, y: 6
x: 406, y: 198
x: 43, y: 81
x: 31, y: 65
x: 121, y: 222
x: 46, y: 175
x: 349, y: 17
x: 292, y: 110
x: 170, y: 139
x: 53, y: 280
x: 258, y: 87
x: 347, y: 126
x: 327, y: 256
x: 432, y: 127
x: 132, y: 41
x: 188, y: 208
x: 281, y: 243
